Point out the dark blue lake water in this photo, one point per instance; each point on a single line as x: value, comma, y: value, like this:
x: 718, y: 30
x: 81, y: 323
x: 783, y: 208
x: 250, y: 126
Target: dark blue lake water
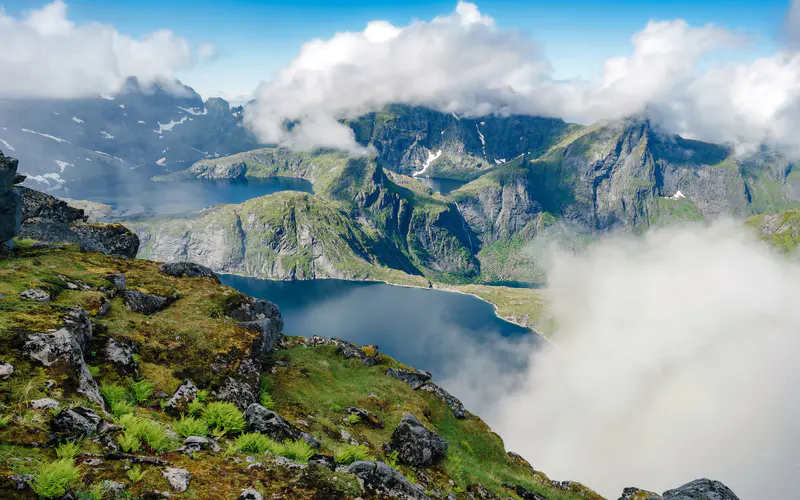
x: 428, y: 329
x: 181, y: 196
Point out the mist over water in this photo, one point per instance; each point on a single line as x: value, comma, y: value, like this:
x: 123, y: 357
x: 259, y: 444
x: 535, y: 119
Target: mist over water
x: 676, y: 359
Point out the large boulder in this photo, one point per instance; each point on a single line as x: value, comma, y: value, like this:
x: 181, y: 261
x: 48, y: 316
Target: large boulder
x: 416, y: 445
x: 47, y: 208
x: 384, y: 481
x: 65, y: 347
x: 637, y: 494
x: 260, y: 419
x: 260, y: 316
x: 76, y: 422
x: 188, y: 270
x: 701, y: 489
x: 136, y: 301
x: 179, y: 402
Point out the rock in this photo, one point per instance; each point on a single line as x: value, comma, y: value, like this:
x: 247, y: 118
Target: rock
x: 110, y: 239
x: 93, y: 462
x: 76, y: 422
x: 122, y: 356
x: 382, y: 480
x: 10, y: 213
x: 45, y: 404
x: 442, y: 395
x: 251, y: 494
x: 260, y: 419
x: 416, y: 445
x: 178, y: 478
x: 188, y: 270
x: 524, y: 493
x: 118, y: 281
x: 144, y: 303
x: 6, y: 369
x: 414, y: 378
x: 637, y: 494
x: 19, y: 179
x: 369, y: 354
x: 310, y: 440
x: 35, y: 294
x: 701, y: 489
x: 367, y: 417
x: 46, y: 208
x: 323, y: 461
x: 178, y: 403
x: 67, y: 345
x: 21, y: 481
x: 480, y: 492
x: 238, y: 392
x: 262, y: 316
x: 199, y: 443
x: 112, y: 486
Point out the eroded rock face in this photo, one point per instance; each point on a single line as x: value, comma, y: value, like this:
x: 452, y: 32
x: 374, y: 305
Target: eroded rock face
x: 10, y: 199
x: 701, y: 489
x: 260, y: 419
x: 381, y: 479
x: 144, y: 303
x: 416, y: 445
x: 414, y: 378
x: 76, y: 422
x: 188, y: 270
x: 451, y: 401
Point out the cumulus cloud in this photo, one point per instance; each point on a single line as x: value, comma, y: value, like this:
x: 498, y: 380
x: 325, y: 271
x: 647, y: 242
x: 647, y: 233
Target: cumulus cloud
x: 44, y: 54
x: 465, y: 63
x: 675, y: 359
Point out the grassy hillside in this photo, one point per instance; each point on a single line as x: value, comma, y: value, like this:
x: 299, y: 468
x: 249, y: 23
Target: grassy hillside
x: 194, y: 337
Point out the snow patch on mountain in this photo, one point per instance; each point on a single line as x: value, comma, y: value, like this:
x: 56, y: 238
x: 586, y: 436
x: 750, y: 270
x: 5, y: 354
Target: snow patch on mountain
x: 48, y: 136
x: 7, y: 145
x: 140, y: 121
x: 499, y: 161
x: 63, y: 165
x: 107, y: 97
x: 677, y: 196
x: 46, y: 178
x: 161, y: 162
x: 76, y: 119
x: 106, y: 135
x: 482, y: 138
x: 169, y: 126
x: 122, y: 106
x: 431, y: 158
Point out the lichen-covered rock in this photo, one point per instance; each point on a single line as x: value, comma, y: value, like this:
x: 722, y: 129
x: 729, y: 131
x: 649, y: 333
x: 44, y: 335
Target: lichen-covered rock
x: 35, y: 294
x: 121, y: 356
x: 188, y: 270
x: 144, y: 303
x: 251, y: 494
x: 76, y: 422
x: 382, y: 480
x: 21, y: 481
x: 412, y: 377
x: 260, y: 419
x: 367, y: 417
x: 637, y: 494
x: 118, y: 281
x: 45, y: 404
x: 184, y: 394
x: 66, y: 345
x: 47, y: 208
x: 451, y: 401
x: 6, y: 369
x: 242, y: 392
x: 178, y: 479
x: 701, y: 489
x: 111, y: 239
x: 261, y: 316
x: 416, y: 445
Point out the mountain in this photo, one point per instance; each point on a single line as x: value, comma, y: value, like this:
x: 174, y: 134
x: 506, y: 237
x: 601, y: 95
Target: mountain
x: 781, y: 230
x: 137, y: 133
x: 362, y: 221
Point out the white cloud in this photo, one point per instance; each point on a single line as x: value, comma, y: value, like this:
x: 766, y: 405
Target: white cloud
x: 464, y: 63
x: 44, y: 54
x: 675, y: 359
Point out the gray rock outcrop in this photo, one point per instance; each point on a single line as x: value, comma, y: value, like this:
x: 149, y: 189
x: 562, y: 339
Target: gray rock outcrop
x: 416, y: 445
x: 382, y: 480
x: 637, y: 494
x: 184, y: 394
x: 367, y: 417
x: 188, y: 270
x: 121, y: 355
x: 6, y: 369
x: 414, y: 378
x: 369, y: 354
x: 136, y: 301
x: 523, y: 492
x: 260, y: 419
x: 45, y: 404
x: 76, y: 422
x: 178, y: 479
x: 451, y: 401
x: 10, y: 199
x: 250, y: 494
x: 701, y: 489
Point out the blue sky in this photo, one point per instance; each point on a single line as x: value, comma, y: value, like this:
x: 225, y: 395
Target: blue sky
x: 254, y: 39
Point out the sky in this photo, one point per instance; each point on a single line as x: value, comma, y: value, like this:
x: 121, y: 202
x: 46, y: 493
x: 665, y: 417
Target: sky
x: 254, y: 39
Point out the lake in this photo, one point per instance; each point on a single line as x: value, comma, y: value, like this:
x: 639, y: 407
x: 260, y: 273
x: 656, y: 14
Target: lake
x: 180, y: 196
x: 443, y: 332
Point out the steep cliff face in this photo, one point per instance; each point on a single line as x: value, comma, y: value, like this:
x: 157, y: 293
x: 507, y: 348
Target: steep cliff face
x: 361, y: 218
x: 406, y: 138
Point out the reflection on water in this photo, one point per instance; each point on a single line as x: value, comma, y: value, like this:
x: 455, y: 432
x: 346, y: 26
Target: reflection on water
x: 441, y: 186
x: 180, y: 196
x: 427, y: 329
